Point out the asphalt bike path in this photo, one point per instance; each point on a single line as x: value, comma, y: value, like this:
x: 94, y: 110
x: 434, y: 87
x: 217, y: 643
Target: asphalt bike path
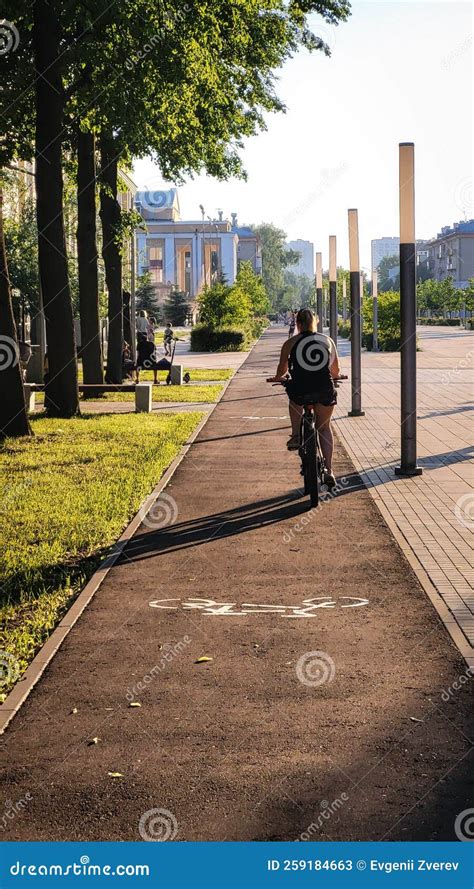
x: 251, y: 669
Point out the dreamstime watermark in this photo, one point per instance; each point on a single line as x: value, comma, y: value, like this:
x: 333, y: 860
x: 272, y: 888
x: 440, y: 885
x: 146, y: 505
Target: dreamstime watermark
x: 169, y: 21
x: 464, y: 510
x: 169, y: 653
x: 326, y: 34
x: 327, y: 810
x: 143, y: 52
x: 9, y: 669
x: 463, y: 195
x: 448, y: 60
x: 12, y: 492
x: 328, y: 179
x: 464, y: 826
x: 312, y: 352
x: 162, y: 513
x: 9, y: 37
x: 457, y: 684
x: 12, y: 809
x: 9, y: 352
x: 463, y: 364
x: 315, y: 668
x: 81, y: 868
x: 158, y: 826
x: 325, y: 497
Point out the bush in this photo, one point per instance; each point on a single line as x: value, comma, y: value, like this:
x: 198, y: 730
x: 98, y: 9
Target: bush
x: 223, y: 306
x: 386, y: 343
x: 389, y: 335
x: 440, y: 322
x: 257, y: 326
x: 344, y: 329
x: 205, y: 338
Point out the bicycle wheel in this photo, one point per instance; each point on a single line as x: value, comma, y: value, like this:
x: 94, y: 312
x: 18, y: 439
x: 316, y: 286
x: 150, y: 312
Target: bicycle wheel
x: 302, y: 456
x: 321, y: 466
x: 310, y: 462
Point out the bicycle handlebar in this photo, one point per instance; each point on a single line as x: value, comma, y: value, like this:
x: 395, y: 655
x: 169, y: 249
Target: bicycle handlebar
x: 338, y: 379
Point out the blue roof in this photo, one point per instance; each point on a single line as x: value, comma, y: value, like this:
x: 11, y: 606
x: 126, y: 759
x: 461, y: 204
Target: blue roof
x: 463, y: 228
x: 244, y: 231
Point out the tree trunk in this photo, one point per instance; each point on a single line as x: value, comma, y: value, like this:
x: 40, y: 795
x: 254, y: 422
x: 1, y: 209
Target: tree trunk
x: 61, y: 384
x: 13, y: 414
x: 91, y: 350
x: 110, y: 218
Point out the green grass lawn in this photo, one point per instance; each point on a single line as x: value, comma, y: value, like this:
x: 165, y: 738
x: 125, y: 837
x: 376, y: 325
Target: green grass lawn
x: 209, y: 373
x: 66, y: 496
x: 165, y: 394
x: 161, y: 393
x: 198, y: 374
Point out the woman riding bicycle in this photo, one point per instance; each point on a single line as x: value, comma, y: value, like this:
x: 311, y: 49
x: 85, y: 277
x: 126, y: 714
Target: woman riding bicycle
x: 312, y: 360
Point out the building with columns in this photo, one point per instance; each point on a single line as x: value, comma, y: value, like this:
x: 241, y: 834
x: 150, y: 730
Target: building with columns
x: 187, y: 255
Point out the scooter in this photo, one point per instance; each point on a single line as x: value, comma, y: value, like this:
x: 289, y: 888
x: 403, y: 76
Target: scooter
x: 187, y: 376
x: 168, y: 378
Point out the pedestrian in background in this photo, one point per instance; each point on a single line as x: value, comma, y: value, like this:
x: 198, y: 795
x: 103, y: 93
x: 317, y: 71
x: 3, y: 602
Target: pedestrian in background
x: 168, y: 338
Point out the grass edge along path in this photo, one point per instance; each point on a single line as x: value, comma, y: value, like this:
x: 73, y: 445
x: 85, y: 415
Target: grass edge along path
x: 66, y: 496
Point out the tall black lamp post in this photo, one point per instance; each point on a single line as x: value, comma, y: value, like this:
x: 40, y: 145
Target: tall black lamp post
x: 332, y: 288
x: 356, y: 326
x: 408, y: 465
x: 319, y: 291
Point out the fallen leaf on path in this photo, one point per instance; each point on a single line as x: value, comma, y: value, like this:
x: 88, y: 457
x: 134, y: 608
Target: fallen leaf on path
x: 134, y: 704
x: 115, y: 774
x: 203, y: 660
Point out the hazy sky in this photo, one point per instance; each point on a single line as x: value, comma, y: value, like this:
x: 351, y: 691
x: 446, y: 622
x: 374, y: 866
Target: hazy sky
x: 399, y: 71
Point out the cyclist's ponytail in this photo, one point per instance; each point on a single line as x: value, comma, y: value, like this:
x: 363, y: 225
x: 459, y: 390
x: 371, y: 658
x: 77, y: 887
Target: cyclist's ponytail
x: 306, y: 320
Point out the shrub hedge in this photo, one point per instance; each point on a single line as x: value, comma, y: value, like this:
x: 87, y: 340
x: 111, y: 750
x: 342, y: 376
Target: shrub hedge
x: 205, y: 338
x: 440, y: 322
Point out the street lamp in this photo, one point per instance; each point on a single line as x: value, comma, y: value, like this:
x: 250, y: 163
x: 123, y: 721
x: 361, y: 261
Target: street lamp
x: 214, y: 223
x: 356, y: 327
x: 375, y: 310
x: 203, y: 243
x: 319, y: 290
x: 332, y: 288
x: 408, y: 465
x: 344, y: 299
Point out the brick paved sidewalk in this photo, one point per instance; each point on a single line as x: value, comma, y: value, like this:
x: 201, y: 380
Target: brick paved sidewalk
x: 433, y: 513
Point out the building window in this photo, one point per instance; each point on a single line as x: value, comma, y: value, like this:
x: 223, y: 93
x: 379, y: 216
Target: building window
x: 155, y: 261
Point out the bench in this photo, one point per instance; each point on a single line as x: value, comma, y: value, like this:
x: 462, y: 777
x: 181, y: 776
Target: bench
x: 143, y: 393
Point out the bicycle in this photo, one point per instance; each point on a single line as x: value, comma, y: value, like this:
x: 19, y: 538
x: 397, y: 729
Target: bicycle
x: 313, y: 465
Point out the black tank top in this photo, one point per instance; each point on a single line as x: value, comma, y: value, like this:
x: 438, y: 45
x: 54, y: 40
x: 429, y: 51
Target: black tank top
x: 309, y: 363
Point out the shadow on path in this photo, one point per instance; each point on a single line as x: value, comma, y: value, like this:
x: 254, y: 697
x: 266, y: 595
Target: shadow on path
x: 228, y: 523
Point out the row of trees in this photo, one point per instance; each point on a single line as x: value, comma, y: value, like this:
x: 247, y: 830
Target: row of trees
x: 98, y: 85
x: 389, y: 274
x: 443, y: 300
x: 175, y: 309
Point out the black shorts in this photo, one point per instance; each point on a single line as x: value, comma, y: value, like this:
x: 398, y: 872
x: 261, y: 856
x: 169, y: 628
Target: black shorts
x: 327, y: 398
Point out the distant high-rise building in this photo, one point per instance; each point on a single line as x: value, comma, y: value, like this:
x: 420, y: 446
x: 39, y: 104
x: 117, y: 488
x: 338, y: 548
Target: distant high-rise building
x: 382, y: 247
x: 305, y: 264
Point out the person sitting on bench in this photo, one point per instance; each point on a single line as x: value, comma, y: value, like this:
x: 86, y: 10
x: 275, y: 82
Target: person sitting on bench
x: 148, y: 359
x: 128, y: 365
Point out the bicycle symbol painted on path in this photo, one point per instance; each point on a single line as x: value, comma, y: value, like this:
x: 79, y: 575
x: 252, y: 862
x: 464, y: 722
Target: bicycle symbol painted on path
x: 307, y: 608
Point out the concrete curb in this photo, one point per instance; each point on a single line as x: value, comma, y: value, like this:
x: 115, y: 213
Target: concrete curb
x: 32, y: 674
